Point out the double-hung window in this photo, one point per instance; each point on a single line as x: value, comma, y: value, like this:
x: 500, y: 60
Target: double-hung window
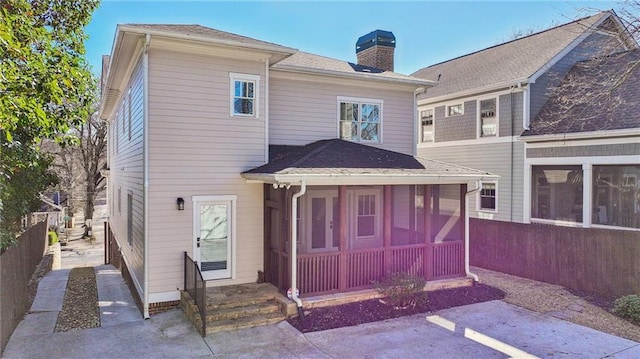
x: 426, y: 124
x: 455, y: 110
x: 360, y: 119
x: 488, y: 197
x: 244, y: 94
x: 488, y: 118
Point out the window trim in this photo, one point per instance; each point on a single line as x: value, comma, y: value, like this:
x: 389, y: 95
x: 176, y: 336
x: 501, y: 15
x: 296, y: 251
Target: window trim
x: 130, y: 218
x: 479, y: 207
x: 233, y: 77
x: 479, y: 120
x: 377, y: 193
x: 433, y: 120
x: 447, y: 106
x: 360, y: 101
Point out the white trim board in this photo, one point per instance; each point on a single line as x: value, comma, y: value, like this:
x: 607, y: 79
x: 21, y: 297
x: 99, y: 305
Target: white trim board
x: 594, y: 160
x: 475, y: 141
x: 584, y: 142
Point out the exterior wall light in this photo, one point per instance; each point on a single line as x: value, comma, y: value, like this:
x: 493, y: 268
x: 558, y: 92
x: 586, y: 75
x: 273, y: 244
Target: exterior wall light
x: 180, y: 202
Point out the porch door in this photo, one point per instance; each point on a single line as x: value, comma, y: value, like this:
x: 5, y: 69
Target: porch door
x: 213, y: 238
x: 323, y: 216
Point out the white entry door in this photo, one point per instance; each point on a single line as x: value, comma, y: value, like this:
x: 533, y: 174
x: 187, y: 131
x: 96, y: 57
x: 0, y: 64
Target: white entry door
x: 214, y: 236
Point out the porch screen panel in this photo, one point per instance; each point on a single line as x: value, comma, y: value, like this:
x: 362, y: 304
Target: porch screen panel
x: 446, y: 214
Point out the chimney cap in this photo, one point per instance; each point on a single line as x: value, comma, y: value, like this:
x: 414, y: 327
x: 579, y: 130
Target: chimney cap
x: 376, y: 38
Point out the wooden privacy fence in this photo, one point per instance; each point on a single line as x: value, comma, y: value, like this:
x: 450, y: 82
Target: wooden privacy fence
x: 592, y: 260
x: 17, y: 265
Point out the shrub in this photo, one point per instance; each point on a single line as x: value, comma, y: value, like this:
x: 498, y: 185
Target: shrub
x: 628, y: 307
x: 400, y: 289
x: 53, y: 238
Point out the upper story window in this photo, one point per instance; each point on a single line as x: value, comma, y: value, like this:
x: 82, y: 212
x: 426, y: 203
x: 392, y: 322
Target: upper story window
x: 360, y: 119
x: 244, y: 94
x: 455, y: 110
x: 488, y: 118
x: 426, y: 125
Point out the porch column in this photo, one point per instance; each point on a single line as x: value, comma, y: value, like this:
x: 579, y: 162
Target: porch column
x: 386, y: 229
x: 428, y: 260
x: 463, y: 213
x: 342, y: 230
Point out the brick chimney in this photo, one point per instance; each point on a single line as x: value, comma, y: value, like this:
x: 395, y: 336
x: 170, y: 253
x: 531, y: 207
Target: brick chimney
x: 376, y: 49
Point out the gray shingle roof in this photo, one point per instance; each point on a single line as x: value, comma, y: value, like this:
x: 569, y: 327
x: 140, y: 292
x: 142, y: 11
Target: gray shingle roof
x: 510, y: 61
x: 199, y: 31
x: 299, y: 61
x: 302, y: 60
x: 596, y: 95
x: 343, y: 158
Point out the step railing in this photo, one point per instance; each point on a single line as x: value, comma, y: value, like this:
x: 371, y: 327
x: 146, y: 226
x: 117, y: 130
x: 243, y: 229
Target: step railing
x: 197, y: 288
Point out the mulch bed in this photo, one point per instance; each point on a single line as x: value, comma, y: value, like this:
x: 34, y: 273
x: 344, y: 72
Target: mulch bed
x: 373, y: 310
x: 80, y: 308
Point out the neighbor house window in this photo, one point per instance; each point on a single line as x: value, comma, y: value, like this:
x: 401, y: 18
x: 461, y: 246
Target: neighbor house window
x: 488, y: 197
x: 488, y: 118
x: 130, y: 218
x: 129, y: 112
x: 455, y: 110
x: 426, y: 123
x: 360, y: 120
x: 244, y: 94
x: 557, y: 193
x: 616, y: 196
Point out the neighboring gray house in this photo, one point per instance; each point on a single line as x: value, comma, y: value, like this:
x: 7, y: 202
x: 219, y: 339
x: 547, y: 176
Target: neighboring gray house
x: 485, y: 100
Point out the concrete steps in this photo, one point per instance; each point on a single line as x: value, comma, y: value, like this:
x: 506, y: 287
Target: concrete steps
x: 236, y: 307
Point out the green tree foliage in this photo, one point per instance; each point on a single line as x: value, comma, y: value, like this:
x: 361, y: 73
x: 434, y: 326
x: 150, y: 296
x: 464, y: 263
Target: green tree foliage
x: 44, y: 90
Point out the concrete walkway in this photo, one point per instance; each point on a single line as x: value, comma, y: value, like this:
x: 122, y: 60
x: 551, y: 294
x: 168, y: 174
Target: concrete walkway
x: 485, y: 330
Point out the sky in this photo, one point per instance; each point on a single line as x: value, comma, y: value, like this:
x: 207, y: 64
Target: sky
x: 427, y: 32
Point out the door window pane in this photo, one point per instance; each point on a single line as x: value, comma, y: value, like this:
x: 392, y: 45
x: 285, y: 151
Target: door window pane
x: 318, y: 222
x: 213, y: 237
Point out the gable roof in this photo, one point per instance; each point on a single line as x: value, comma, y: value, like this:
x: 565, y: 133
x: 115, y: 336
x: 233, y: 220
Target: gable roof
x: 506, y: 63
x: 596, y: 95
x: 338, y: 161
x: 293, y: 60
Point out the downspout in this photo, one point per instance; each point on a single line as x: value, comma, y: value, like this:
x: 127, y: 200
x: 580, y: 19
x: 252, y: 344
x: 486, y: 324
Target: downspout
x: 266, y: 111
x: 416, y: 118
x: 145, y: 139
x: 294, y: 246
x: 466, y: 234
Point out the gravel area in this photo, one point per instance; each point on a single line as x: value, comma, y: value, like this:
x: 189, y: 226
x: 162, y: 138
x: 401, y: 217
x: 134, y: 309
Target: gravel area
x: 80, y: 306
x: 559, y: 302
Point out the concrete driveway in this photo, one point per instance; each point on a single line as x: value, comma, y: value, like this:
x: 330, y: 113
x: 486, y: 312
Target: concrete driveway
x: 486, y: 330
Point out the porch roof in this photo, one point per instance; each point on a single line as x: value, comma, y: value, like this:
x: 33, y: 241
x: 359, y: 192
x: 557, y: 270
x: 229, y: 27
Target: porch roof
x: 340, y: 162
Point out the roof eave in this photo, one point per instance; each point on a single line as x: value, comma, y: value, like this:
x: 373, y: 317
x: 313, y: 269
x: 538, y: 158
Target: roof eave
x: 466, y: 93
x: 283, y: 51
x: 361, y: 76
x: 630, y: 132
x: 366, y: 179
